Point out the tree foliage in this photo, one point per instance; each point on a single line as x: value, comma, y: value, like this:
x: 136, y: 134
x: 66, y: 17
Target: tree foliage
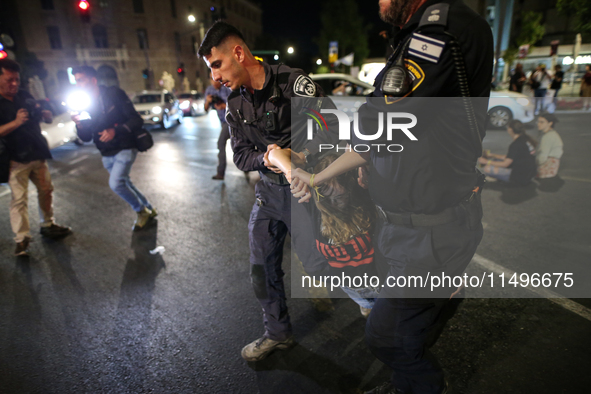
x: 581, y: 9
x: 341, y: 22
x: 531, y: 29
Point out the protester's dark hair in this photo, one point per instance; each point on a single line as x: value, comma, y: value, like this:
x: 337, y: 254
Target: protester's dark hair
x: 345, y: 212
x: 86, y: 70
x: 519, y: 129
x: 549, y: 117
x: 216, y: 34
x: 9, y: 64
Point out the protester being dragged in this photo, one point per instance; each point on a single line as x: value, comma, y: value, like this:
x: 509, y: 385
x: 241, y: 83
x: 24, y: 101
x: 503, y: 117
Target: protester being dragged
x: 550, y: 149
x: 343, y: 219
x: 112, y: 126
x: 518, y: 166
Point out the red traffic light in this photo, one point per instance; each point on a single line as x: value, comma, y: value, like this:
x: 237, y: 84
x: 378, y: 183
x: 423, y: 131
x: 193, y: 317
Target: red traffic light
x: 83, y: 5
x: 3, y: 55
x: 179, y: 70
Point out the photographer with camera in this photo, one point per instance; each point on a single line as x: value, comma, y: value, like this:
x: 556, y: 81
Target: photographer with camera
x: 26, y: 152
x: 113, y: 126
x: 216, y: 95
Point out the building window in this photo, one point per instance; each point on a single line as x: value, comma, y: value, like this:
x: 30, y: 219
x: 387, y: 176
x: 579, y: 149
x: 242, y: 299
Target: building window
x: 142, y: 36
x: 173, y: 8
x: 177, y: 41
x: 47, y: 5
x: 55, y: 40
x: 99, y: 33
x: 138, y: 6
x: 194, y: 45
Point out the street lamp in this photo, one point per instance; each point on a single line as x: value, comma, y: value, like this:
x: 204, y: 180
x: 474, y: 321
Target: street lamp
x: 290, y: 50
x: 319, y: 62
x: 192, y: 18
x: 276, y: 57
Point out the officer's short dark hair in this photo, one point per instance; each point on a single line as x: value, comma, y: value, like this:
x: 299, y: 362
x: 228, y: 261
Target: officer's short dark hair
x: 89, y: 71
x: 216, y: 34
x: 549, y: 117
x: 9, y: 64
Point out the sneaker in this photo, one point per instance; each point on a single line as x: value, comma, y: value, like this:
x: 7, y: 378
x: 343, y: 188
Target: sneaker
x: 364, y: 311
x: 262, y: 347
x: 385, y: 388
x: 55, y: 231
x: 143, y: 218
x: 21, y: 247
x: 218, y: 177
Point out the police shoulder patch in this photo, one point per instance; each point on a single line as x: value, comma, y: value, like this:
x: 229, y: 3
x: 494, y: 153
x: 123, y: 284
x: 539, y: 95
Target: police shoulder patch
x: 426, y: 48
x: 304, y: 86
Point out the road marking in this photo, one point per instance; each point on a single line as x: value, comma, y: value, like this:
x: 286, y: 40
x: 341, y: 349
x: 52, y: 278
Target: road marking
x: 78, y: 160
x: 199, y: 165
x: 556, y: 298
x: 572, y: 178
x: 190, y: 137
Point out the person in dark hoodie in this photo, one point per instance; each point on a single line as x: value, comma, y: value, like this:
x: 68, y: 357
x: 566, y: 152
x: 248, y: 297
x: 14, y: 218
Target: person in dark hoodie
x: 113, y: 120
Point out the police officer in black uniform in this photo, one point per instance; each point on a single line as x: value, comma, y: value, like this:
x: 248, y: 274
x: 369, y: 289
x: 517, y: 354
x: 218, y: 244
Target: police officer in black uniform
x: 428, y: 194
x: 259, y: 115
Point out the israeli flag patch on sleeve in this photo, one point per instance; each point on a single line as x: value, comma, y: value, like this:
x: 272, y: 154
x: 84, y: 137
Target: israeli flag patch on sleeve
x: 426, y: 48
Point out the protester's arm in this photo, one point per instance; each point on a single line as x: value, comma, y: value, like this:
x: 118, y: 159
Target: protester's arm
x: 22, y: 116
x: 346, y: 162
x: 281, y: 158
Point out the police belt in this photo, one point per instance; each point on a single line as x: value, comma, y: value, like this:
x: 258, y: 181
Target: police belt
x: 271, y: 177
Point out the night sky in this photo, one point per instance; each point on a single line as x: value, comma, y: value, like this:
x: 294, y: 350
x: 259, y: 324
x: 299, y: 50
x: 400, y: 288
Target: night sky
x: 300, y: 21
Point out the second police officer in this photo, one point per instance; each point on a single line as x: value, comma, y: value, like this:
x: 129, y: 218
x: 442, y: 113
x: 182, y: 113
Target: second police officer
x: 259, y: 115
x: 428, y: 194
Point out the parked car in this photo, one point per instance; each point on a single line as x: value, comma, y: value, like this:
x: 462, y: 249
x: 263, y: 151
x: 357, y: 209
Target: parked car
x: 158, y: 107
x: 192, y: 103
x: 503, y: 106
x: 62, y: 129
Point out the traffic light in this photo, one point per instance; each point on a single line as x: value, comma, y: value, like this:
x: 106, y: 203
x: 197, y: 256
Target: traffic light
x: 84, y: 10
x: 181, y: 71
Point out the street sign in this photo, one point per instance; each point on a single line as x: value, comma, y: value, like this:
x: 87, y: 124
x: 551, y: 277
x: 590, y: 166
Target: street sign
x: 333, y: 51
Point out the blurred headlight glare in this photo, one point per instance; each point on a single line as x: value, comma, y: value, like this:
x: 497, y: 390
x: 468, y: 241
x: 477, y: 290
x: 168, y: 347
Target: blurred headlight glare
x: 156, y: 110
x: 185, y: 104
x: 78, y: 101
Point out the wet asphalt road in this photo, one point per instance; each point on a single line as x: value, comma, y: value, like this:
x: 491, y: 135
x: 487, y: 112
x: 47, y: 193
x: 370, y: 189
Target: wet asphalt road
x: 98, y: 313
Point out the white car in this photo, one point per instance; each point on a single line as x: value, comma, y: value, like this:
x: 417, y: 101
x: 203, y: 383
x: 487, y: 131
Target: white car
x: 61, y: 130
x: 347, y: 93
x: 158, y: 107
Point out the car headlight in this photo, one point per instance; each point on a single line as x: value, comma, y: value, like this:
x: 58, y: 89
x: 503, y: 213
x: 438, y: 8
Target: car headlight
x: 185, y: 104
x: 523, y: 101
x: 157, y: 110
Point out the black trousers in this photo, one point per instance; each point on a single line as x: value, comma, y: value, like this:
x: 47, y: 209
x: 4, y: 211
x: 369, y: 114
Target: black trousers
x: 224, y: 137
x: 270, y: 222
x: 401, y: 329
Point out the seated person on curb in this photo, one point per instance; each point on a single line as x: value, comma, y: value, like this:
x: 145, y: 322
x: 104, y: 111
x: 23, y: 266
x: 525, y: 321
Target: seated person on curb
x: 343, y: 217
x: 28, y: 153
x: 518, y: 166
x: 550, y: 149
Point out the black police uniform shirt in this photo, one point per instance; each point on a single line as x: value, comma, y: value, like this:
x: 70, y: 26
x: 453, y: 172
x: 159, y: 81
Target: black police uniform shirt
x: 112, y: 109
x: 523, y: 168
x: 253, y: 125
x: 438, y: 170
x: 26, y: 143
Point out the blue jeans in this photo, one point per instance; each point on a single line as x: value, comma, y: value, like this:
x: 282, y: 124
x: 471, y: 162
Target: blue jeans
x: 540, y: 95
x: 119, y: 167
x: 365, y: 297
